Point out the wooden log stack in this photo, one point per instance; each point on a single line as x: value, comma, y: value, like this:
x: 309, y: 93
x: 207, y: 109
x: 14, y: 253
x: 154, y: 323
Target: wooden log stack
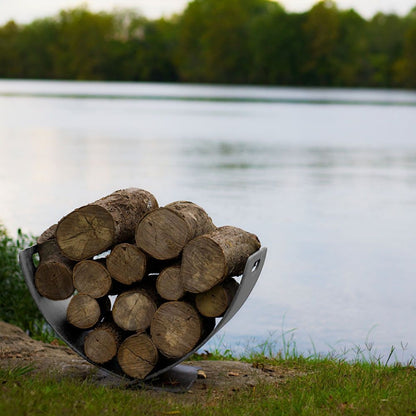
x: 145, y: 282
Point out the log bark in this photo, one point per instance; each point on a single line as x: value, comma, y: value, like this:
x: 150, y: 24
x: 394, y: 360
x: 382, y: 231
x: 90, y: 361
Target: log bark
x: 137, y: 355
x: 93, y: 228
x: 169, y: 283
x: 84, y: 311
x: 164, y: 232
x: 92, y: 278
x: 53, y: 276
x: 102, y: 343
x: 176, y: 329
x: 133, y: 310
x: 127, y: 263
x: 207, y: 260
x: 215, y: 301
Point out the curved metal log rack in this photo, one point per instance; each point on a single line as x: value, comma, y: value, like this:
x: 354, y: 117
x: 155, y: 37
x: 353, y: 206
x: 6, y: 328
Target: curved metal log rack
x: 181, y: 375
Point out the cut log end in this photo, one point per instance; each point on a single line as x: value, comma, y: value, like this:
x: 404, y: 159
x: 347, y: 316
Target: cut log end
x: 83, y: 311
x: 127, y: 263
x: 85, y: 232
x: 176, y: 329
x: 53, y: 280
x: 203, y: 265
x: 101, y: 344
x: 92, y: 278
x: 207, y: 260
x: 162, y: 234
x: 133, y: 310
x: 169, y: 283
x: 215, y: 301
x: 137, y: 356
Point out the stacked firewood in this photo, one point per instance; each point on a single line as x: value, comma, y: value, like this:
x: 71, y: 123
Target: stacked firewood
x: 145, y: 282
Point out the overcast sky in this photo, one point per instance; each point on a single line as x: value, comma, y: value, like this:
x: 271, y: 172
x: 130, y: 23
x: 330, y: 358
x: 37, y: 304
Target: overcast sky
x: 24, y: 11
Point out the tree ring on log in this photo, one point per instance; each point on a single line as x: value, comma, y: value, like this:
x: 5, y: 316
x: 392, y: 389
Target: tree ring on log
x: 101, y: 344
x: 203, y: 265
x: 162, y: 234
x: 92, y: 278
x: 126, y: 263
x: 53, y: 280
x: 137, y: 355
x: 133, y: 310
x: 85, y: 232
x: 83, y: 311
x: 176, y: 328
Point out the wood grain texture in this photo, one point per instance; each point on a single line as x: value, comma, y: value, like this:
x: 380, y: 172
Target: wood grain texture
x: 164, y: 232
x: 176, y: 328
x: 83, y: 311
x: 169, y: 284
x: 137, y: 355
x: 127, y: 263
x: 92, y: 278
x: 215, y: 301
x: 102, y: 343
x: 133, y: 310
x: 53, y: 276
x: 207, y: 260
x: 93, y: 228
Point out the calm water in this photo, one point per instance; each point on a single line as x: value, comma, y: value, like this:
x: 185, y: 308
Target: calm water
x: 325, y: 178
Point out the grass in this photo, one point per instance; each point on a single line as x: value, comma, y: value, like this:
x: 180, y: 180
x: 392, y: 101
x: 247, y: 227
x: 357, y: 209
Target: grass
x: 323, y: 387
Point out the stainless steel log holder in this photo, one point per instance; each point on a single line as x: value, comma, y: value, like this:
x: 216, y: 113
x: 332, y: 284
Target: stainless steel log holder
x: 168, y: 375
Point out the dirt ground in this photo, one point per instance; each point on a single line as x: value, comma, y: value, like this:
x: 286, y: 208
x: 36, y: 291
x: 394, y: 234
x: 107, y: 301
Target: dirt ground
x: 17, y: 349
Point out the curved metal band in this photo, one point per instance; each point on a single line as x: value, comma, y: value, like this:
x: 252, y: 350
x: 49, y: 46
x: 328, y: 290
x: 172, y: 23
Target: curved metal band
x: 55, y: 314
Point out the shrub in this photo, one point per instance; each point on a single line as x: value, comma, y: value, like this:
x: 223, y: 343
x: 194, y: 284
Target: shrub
x: 16, y: 304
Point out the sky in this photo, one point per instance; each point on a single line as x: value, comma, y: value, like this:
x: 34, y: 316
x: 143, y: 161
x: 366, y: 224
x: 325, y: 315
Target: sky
x: 24, y: 11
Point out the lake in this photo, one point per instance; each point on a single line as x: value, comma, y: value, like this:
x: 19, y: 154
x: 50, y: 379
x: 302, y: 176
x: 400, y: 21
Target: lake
x: 325, y: 177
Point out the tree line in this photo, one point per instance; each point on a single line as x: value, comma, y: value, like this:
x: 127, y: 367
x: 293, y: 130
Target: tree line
x: 217, y: 41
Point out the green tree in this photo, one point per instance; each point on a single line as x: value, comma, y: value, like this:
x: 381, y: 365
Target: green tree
x: 351, y: 51
x: 405, y: 66
x: 34, y: 45
x: 321, y: 30
x: 277, y: 46
x: 386, y: 34
x: 9, y: 56
x: 80, y: 50
x: 154, y: 54
x: 213, y: 40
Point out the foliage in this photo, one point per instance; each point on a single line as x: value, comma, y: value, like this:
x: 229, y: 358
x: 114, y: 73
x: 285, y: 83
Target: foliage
x: 217, y: 41
x: 16, y: 304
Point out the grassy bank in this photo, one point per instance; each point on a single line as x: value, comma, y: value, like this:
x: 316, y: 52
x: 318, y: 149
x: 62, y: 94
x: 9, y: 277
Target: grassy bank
x: 322, y: 387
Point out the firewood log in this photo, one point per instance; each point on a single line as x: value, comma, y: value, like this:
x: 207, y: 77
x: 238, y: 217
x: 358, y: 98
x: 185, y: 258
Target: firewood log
x: 176, y: 328
x: 53, y: 276
x: 169, y: 283
x: 84, y: 311
x: 208, y: 259
x: 133, y: 310
x: 93, y: 228
x: 164, y: 232
x: 215, y: 301
x: 92, y: 278
x: 126, y: 263
x: 137, y: 355
x: 101, y: 344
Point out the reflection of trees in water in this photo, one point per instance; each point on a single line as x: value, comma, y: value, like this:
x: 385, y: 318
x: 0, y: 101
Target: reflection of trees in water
x: 268, y: 163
